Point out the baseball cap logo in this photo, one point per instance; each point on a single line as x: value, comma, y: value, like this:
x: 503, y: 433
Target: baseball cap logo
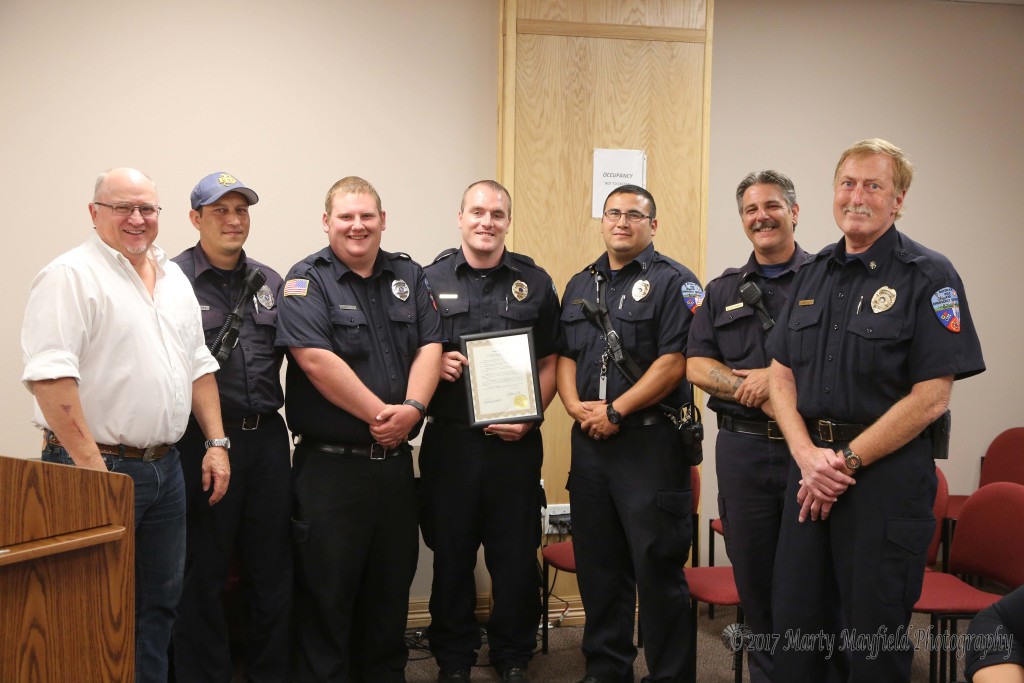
x: 226, y: 179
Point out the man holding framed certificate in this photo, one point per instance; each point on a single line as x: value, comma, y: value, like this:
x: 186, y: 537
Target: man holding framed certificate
x: 482, y: 451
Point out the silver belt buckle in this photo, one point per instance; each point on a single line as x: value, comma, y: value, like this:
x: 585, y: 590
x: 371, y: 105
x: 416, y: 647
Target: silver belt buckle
x: 377, y: 451
x: 147, y: 455
x: 774, y: 433
x: 821, y: 433
x: 248, y: 426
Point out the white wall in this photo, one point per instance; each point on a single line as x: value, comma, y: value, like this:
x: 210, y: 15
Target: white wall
x: 796, y: 81
x: 287, y: 96
x: 404, y: 94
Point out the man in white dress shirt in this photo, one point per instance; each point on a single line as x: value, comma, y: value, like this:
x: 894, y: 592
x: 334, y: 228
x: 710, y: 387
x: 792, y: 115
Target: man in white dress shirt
x: 116, y: 359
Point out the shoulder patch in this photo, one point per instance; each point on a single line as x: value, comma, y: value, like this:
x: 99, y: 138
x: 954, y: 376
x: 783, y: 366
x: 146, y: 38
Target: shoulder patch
x: 296, y: 287
x: 693, y: 295
x: 445, y: 254
x: 946, y: 305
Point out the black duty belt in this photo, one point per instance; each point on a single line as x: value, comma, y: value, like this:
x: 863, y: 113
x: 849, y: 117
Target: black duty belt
x: 644, y: 418
x: 830, y: 431
x: 248, y: 423
x: 145, y: 454
x: 768, y: 428
x: 373, y: 452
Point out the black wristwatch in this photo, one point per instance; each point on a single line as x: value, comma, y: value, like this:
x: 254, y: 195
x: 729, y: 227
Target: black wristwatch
x: 852, y: 459
x: 417, y: 405
x: 614, y: 416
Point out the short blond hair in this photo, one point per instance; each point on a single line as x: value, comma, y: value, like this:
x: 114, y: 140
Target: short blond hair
x: 902, y: 169
x: 351, y: 185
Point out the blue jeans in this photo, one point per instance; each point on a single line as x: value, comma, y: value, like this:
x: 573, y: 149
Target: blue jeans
x: 159, y: 552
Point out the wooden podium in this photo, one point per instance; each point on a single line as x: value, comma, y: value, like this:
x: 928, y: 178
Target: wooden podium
x: 67, y: 574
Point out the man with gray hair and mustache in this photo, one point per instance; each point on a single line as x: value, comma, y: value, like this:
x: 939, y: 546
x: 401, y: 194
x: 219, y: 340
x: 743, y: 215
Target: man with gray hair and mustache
x: 728, y: 361
x: 864, y: 356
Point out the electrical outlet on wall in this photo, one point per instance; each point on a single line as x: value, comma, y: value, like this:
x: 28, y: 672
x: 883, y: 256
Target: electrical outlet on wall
x: 557, y: 520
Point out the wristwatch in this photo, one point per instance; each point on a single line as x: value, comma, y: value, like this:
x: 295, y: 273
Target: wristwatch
x: 852, y: 459
x: 614, y: 416
x: 417, y: 405
x: 223, y: 443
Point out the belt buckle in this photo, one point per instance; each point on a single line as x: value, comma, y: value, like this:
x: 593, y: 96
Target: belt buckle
x: 774, y: 433
x: 374, y: 448
x: 821, y: 434
x: 248, y: 426
x: 147, y: 454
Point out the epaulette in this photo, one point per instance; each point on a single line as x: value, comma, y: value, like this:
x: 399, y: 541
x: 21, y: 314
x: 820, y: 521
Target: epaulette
x: 445, y: 254
x: 401, y: 255
x: 522, y: 257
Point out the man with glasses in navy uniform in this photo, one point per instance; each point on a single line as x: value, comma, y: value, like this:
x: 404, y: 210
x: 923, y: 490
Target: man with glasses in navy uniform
x: 253, y: 518
x: 115, y: 358
x: 628, y: 483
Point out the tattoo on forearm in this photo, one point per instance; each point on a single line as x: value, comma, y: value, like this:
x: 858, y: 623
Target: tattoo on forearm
x: 724, y: 385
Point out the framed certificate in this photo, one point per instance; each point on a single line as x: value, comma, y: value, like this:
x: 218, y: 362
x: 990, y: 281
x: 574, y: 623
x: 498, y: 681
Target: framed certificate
x: 501, y: 380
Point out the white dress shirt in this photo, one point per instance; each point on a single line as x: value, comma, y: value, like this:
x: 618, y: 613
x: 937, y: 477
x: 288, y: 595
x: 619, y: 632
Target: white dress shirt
x: 90, y: 317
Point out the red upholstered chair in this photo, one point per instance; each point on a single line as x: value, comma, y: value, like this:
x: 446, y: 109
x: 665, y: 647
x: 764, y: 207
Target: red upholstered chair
x: 715, y: 586
x: 1003, y: 461
x: 989, y: 545
x: 562, y: 557
x: 715, y: 526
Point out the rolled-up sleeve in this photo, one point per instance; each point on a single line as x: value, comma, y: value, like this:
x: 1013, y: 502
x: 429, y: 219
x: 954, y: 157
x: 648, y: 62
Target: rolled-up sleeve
x: 54, y: 336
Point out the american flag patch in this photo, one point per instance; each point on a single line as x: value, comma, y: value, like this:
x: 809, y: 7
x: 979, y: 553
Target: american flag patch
x: 296, y: 287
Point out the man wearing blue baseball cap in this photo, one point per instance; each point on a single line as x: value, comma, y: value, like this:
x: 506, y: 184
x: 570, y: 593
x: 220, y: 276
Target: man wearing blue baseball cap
x: 238, y: 300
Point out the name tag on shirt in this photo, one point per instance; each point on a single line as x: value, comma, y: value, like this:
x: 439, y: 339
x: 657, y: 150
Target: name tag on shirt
x: 447, y: 296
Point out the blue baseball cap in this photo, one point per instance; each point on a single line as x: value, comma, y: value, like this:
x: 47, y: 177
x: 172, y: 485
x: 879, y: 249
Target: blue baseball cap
x: 216, y: 185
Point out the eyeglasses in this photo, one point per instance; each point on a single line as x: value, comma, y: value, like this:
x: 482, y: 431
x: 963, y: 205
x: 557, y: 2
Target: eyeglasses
x: 145, y: 210
x: 614, y: 215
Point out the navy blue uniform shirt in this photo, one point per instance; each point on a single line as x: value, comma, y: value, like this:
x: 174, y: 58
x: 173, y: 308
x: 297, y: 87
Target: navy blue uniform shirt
x: 859, y: 333
x: 366, y: 322
x: 652, y: 319
x: 250, y: 381
x: 470, y: 302
x: 729, y: 331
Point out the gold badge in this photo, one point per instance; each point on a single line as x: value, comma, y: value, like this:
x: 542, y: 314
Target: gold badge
x: 265, y: 297
x: 520, y: 290
x: 226, y: 179
x: 400, y: 289
x: 883, y: 299
x: 641, y: 288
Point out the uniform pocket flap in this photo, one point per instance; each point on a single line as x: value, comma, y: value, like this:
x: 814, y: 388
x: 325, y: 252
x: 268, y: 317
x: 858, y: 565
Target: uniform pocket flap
x: 914, y: 535
x: 522, y: 312
x: 448, y: 307
x: 728, y: 317
x: 875, y: 327
x: 346, y: 317
x: 677, y: 503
